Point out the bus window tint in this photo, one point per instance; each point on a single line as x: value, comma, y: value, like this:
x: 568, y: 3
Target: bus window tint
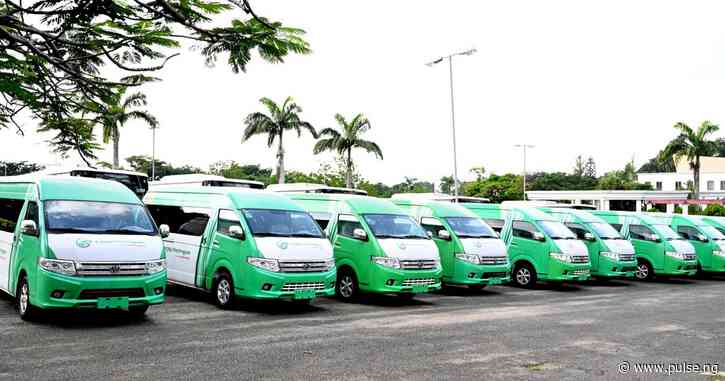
x: 63, y: 216
x: 181, y: 220
x: 9, y: 213
x: 394, y: 226
x: 281, y: 223
x: 468, y: 227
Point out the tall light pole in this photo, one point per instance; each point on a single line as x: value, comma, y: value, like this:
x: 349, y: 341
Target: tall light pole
x: 153, y: 153
x: 453, y: 109
x: 524, y: 147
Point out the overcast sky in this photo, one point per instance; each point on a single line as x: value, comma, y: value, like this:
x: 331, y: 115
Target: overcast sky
x: 606, y: 79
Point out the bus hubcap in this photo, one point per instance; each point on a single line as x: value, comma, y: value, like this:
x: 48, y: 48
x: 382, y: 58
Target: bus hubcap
x: 223, y: 291
x: 23, y: 298
x: 346, y: 286
x: 642, y: 271
x: 523, y: 276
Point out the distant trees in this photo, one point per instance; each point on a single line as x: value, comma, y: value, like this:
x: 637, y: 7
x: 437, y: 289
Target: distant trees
x: 14, y: 168
x: 625, y: 179
x: 142, y: 164
x: 692, y: 144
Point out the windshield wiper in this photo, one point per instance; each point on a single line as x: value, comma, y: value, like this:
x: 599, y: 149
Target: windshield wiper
x: 126, y: 231
x: 386, y: 236
x: 305, y: 235
x: 412, y: 236
x: 74, y: 230
x: 474, y: 236
x: 270, y: 234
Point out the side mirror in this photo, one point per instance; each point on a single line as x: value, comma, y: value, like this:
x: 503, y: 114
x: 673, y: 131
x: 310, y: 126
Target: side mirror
x: 430, y: 233
x: 164, y: 230
x: 588, y: 237
x: 29, y: 227
x: 444, y: 234
x: 360, y: 234
x: 237, y: 232
x: 654, y: 238
x: 539, y: 236
x: 702, y: 238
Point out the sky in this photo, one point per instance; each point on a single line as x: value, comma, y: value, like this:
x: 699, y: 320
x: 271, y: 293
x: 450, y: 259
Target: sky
x: 606, y: 79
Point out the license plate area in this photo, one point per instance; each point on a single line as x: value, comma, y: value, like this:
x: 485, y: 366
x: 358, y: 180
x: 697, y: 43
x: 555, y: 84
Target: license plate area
x: 304, y: 294
x: 420, y: 288
x: 112, y: 303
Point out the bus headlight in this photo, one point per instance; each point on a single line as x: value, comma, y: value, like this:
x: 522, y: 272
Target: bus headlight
x: 561, y: 257
x: 155, y: 266
x: 263, y: 263
x: 330, y: 264
x: 675, y: 254
x: 470, y: 258
x: 393, y: 263
x: 57, y: 266
x: 718, y: 253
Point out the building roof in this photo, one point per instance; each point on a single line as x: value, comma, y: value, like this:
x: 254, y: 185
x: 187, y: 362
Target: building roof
x: 438, y: 208
x: 78, y: 188
x: 239, y: 198
x: 708, y: 164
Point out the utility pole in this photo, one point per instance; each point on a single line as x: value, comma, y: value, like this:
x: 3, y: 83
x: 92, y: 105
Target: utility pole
x: 524, y: 147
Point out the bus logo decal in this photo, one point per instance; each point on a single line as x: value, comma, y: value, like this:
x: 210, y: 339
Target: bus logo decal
x: 83, y: 243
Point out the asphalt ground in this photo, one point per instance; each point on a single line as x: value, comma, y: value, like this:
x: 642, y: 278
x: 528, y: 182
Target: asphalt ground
x: 576, y: 332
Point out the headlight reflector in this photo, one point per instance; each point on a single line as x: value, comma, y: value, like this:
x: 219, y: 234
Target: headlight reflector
x: 155, y: 266
x: 561, y: 257
x: 610, y: 255
x: 675, y: 254
x: 391, y: 262
x: 330, y: 264
x: 57, y: 266
x: 263, y: 263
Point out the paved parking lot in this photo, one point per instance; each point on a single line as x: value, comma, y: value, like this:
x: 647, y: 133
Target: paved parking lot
x: 572, y: 332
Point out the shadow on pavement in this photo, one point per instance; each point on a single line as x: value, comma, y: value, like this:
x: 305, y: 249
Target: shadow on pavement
x: 383, y: 300
x: 604, y: 282
x: 467, y: 292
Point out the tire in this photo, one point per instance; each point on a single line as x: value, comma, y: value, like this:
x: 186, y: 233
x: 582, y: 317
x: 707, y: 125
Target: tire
x: 223, y: 291
x: 26, y: 310
x: 139, y: 311
x: 346, y: 286
x: 524, y: 275
x: 644, y: 271
x: 476, y: 287
x: 702, y: 274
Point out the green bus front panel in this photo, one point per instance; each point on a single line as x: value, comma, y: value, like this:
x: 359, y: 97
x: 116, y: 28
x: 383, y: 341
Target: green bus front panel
x: 387, y: 280
x: 256, y: 283
x: 466, y: 273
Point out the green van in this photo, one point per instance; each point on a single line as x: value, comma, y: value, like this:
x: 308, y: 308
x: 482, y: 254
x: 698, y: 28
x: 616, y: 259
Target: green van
x: 71, y: 242
x: 246, y: 243
x: 539, y: 246
x: 471, y: 253
x: 715, y: 221
x: 611, y: 255
x: 709, y: 243
x: 378, y: 247
x: 659, y: 250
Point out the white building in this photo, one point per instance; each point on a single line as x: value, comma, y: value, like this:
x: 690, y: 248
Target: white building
x: 712, y: 178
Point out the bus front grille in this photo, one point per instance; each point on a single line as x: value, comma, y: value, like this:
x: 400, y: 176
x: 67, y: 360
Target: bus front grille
x: 626, y: 257
x: 303, y: 286
x: 417, y: 281
x: 580, y: 259
x: 112, y: 293
x: 494, y: 260
x: 111, y: 269
x: 303, y: 266
x: 422, y: 264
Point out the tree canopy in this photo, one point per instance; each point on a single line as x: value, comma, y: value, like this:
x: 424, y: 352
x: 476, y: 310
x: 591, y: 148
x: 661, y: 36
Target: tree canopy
x: 57, y: 56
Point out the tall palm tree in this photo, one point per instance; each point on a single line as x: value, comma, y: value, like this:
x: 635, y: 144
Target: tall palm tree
x: 692, y: 144
x: 116, y: 112
x: 281, y: 118
x: 345, y: 140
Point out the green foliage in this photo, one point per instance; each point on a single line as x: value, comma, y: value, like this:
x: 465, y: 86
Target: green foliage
x: 714, y: 210
x: 60, y: 60
x: 496, y: 188
x: 234, y: 170
x: 692, y: 144
x: 71, y: 135
x: 560, y: 181
x: 14, y: 168
x: 447, y: 183
x: 625, y: 179
x: 479, y: 171
x: 142, y: 163
x: 344, y: 141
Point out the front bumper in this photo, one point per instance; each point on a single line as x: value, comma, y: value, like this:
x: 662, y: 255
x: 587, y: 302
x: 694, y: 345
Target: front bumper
x: 394, y: 281
x: 91, y: 292
x: 610, y: 268
x: 679, y: 267
x: 257, y: 283
x: 564, y: 271
x: 717, y: 264
x: 466, y: 273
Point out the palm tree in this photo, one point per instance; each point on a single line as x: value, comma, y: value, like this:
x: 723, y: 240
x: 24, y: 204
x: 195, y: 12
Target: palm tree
x: 281, y: 118
x: 692, y: 144
x: 344, y: 141
x: 115, y: 113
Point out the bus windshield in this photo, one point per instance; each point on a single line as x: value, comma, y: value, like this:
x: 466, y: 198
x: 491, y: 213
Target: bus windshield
x: 605, y: 231
x: 394, y: 226
x: 469, y: 227
x: 92, y: 217
x: 556, y: 230
x: 281, y: 223
x: 667, y: 232
x: 712, y: 232
x: 138, y: 184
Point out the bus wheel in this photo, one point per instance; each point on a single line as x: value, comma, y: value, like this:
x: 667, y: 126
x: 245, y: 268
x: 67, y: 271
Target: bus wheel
x: 702, y: 274
x: 524, y: 275
x: 223, y: 291
x: 26, y: 310
x: 644, y: 271
x: 476, y: 287
x: 347, y: 287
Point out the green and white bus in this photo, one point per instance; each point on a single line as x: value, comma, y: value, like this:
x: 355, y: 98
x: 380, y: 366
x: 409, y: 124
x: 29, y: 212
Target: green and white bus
x: 378, y: 247
x: 471, y: 253
x: 539, y: 246
x: 659, y: 250
x: 708, y: 241
x: 245, y: 243
x: 71, y: 242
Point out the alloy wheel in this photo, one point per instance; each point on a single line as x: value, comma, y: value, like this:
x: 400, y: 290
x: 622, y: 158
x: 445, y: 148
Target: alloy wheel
x: 346, y: 286
x: 642, y: 271
x: 24, y: 297
x: 523, y: 276
x: 223, y: 291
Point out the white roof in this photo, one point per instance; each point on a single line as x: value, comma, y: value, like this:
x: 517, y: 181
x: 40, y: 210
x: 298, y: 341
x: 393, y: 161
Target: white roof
x: 313, y: 188
x: 436, y: 197
x: 200, y: 177
x: 63, y: 170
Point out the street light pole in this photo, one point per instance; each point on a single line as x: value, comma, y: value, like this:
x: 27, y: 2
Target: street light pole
x: 153, y: 153
x: 453, y: 109
x: 524, y: 147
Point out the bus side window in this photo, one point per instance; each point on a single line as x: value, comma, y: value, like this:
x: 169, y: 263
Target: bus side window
x: 688, y: 232
x: 431, y: 225
x: 345, y: 226
x: 9, y: 214
x: 227, y: 219
x: 578, y: 230
x: 31, y: 213
x: 524, y: 229
x: 187, y: 221
x: 640, y: 232
x: 617, y: 227
x: 495, y: 224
